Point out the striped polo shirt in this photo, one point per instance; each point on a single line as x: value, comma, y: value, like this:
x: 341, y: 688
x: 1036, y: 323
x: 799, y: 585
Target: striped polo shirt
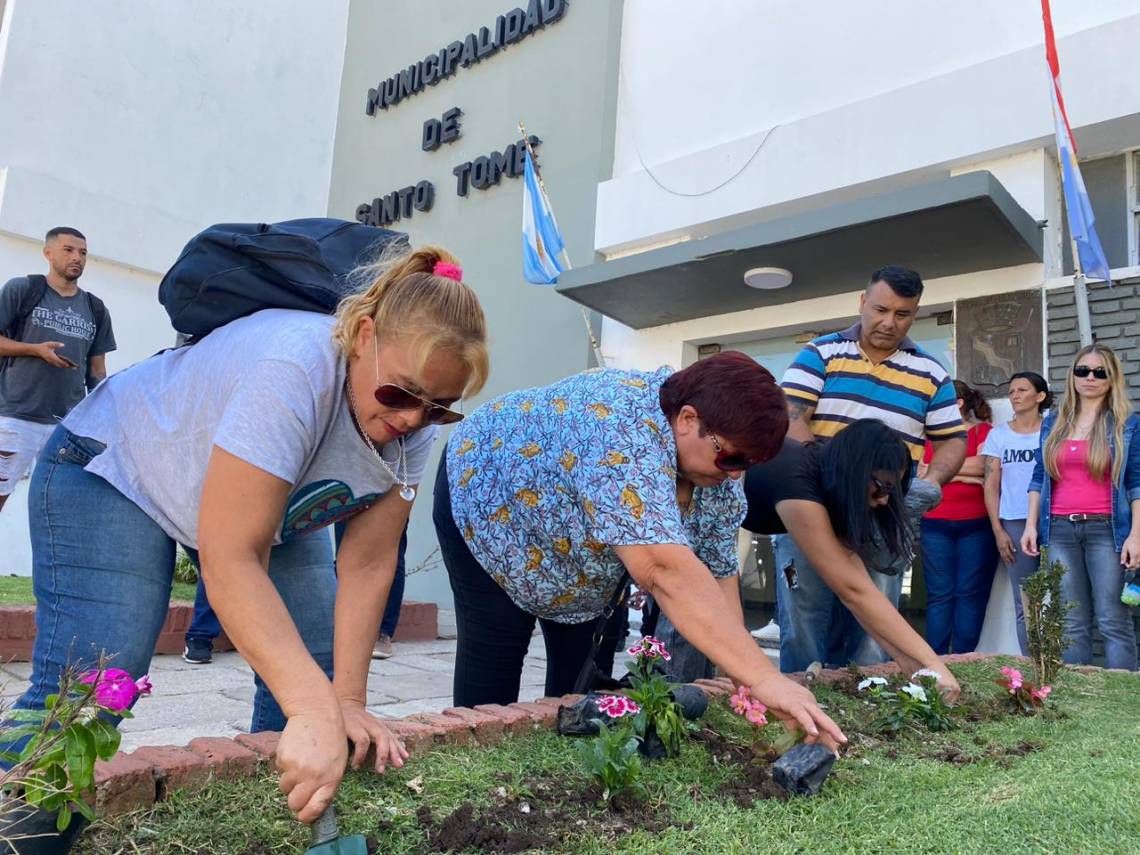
x: 909, y: 391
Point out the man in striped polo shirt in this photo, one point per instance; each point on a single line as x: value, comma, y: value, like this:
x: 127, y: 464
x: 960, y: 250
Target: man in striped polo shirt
x: 870, y: 370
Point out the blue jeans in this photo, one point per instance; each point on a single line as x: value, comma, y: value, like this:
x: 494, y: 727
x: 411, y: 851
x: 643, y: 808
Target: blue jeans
x: 815, y: 626
x: 1022, y: 568
x: 204, y: 625
x: 959, y: 558
x: 396, y: 592
x: 1092, y: 584
x: 102, y: 573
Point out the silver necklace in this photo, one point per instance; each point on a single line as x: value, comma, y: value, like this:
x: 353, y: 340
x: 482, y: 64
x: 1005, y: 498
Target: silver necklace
x: 407, y: 492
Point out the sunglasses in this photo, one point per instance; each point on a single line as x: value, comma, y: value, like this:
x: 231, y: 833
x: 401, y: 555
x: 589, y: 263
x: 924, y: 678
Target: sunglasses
x: 398, y: 398
x: 1086, y: 370
x: 731, y: 461
x: 881, y: 489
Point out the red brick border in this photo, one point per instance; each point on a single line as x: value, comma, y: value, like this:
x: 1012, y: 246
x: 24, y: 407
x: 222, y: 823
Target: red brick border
x: 418, y: 622
x: 137, y: 780
x: 18, y: 632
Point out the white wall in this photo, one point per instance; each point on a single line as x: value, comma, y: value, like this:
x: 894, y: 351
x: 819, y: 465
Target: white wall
x: 865, y: 96
x: 141, y: 124
x: 186, y: 113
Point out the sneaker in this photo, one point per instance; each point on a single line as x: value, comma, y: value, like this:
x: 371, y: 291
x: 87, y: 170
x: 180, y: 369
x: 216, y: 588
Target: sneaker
x: 383, y: 648
x: 767, y: 634
x: 198, y: 651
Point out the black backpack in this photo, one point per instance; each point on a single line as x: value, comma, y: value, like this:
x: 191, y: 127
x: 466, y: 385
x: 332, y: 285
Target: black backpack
x: 232, y: 270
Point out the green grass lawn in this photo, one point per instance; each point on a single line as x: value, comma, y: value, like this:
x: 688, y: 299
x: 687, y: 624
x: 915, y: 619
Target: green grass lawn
x: 17, y: 591
x: 1074, y: 795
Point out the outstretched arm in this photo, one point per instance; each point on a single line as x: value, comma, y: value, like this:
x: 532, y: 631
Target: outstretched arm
x: 687, y: 593
x: 846, y: 575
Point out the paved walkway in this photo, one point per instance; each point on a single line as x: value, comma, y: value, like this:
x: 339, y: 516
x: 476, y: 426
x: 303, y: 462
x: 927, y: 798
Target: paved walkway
x: 217, y: 699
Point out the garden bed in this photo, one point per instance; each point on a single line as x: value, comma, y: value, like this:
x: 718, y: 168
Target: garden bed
x: 1058, y: 781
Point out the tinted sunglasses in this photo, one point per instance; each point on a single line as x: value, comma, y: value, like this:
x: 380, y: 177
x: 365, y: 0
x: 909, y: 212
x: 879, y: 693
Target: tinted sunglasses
x: 1086, y: 370
x: 731, y: 461
x: 882, y: 490
x: 398, y: 398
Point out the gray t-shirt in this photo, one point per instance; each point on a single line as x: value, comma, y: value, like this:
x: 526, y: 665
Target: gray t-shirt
x: 30, y: 388
x: 268, y: 389
x: 1017, y: 454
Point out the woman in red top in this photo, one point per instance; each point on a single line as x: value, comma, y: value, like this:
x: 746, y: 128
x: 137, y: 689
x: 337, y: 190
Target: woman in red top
x: 959, y: 554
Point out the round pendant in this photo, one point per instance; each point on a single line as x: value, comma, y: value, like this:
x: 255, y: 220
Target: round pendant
x: 407, y: 493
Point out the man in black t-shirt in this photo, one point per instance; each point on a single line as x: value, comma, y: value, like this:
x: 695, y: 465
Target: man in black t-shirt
x: 54, y: 338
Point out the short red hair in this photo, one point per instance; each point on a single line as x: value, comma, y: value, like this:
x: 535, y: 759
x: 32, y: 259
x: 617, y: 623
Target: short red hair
x: 736, y: 397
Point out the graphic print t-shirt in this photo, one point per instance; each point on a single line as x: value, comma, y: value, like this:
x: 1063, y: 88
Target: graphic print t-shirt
x: 30, y: 389
x: 268, y: 389
x: 1017, y: 454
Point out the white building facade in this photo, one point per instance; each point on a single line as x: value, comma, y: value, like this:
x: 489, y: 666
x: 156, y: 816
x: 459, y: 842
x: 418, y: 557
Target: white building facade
x: 830, y: 139
x: 141, y: 124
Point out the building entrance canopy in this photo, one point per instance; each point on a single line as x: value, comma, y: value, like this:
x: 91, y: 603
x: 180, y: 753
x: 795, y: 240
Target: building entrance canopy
x: 947, y: 227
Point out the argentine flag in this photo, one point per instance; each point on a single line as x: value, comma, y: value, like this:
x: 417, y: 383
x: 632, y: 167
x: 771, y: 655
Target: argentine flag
x: 544, y: 254
x: 1090, y: 253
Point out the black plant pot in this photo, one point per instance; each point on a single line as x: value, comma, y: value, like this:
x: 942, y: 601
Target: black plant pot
x: 651, y: 747
x: 26, y: 830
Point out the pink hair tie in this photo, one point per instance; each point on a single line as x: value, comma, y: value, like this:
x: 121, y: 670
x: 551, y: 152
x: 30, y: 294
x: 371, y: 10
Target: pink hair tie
x: 448, y: 270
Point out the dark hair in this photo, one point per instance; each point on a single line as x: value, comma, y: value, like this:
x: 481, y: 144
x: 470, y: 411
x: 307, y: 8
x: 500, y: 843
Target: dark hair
x: 903, y: 281
x: 736, y: 398
x: 975, y: 401
x: 847, y: 464
x: 1039, y: 384
x: 64, y: 230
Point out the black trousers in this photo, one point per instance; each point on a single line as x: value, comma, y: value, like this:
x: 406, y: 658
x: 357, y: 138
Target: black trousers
x: 493, y: 633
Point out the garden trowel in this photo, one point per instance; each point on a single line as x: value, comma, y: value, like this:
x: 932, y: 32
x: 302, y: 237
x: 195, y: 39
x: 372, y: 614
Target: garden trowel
x: 327, y: 839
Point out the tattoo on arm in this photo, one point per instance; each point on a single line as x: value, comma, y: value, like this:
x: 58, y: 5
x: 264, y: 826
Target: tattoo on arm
x: 989, y: 465
x: 797, y: 409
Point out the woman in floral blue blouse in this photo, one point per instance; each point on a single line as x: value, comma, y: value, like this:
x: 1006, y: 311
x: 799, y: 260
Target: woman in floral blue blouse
x: 545, y: 495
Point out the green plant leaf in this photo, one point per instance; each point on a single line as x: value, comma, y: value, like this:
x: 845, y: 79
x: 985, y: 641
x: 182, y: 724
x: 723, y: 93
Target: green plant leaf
x: 64, y: 819
x: 107, y: 738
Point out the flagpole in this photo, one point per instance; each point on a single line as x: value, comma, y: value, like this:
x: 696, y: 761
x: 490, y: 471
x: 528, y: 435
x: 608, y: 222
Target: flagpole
x: 594, y: 345
x: 1080, y: 291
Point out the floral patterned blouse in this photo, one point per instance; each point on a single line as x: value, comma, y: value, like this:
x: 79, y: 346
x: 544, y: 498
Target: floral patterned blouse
x: 544, y: 482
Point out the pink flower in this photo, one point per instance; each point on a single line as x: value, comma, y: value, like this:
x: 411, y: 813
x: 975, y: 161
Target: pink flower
x: 741, y: 701
x: 1042, y: 693
x: 755, y: 714
x: 114, y: 688
x: 616, y: 706
x: 1014, y: 677
x: 650, y: 648
x: 744, y: 704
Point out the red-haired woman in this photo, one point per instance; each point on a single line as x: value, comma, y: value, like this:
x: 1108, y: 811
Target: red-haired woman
x: 544, y: 496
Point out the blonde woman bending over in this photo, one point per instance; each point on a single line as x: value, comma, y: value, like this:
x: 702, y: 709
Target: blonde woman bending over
x: 244, y: 448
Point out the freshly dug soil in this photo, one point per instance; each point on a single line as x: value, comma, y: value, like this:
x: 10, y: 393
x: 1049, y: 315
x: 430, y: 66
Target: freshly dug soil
x: 753, y: 781
x: 538, y: 821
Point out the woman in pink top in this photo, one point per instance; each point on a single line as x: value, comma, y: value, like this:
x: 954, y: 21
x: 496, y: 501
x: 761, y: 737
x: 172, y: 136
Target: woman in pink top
x: 1084, y: 504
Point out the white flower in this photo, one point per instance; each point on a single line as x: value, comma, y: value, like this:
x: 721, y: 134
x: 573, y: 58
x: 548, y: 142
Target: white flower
x: 916, y: 692
x: 925, y: 672
x: 871, y: 681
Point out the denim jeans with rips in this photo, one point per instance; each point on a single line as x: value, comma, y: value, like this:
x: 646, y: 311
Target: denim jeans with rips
x: 815, y: 626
